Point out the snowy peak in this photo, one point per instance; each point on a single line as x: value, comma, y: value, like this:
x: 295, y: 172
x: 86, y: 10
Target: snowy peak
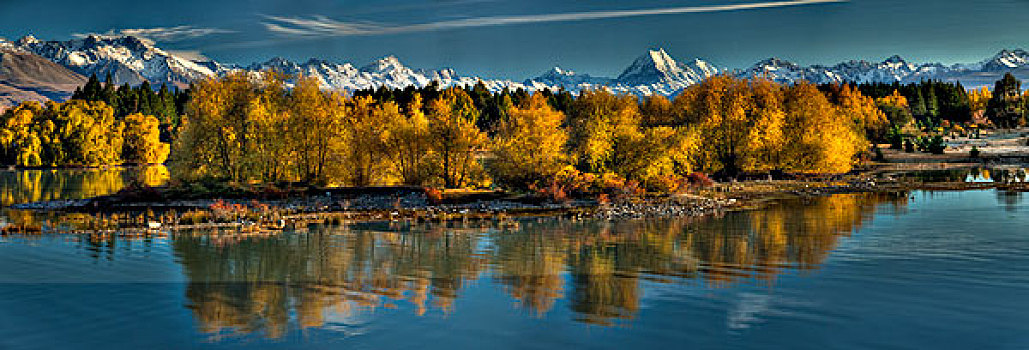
x: 386, y: 64
x: 26, y: 40
x: 1006, y: 59
x: 134, y: 60
x: 651, y: 67
x: 892, y: 69
x: 657, y: 69
x: 562, y: 78
x: 557, y: 73
x: 895, y: 59
x: 127, y: 59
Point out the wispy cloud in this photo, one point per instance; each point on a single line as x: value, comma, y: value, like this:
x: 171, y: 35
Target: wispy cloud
x: 161, y: 34
x: 320, y: 26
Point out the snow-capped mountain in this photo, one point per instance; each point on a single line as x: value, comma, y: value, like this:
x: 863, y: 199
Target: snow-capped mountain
x: 658, y: 72
x: 133, y: 60
x: 893, y: 69
x: 562, y: 77
x: 1002, y: 61
x: 387, y: 71
x: 127, y: 59
x: 655, y: 72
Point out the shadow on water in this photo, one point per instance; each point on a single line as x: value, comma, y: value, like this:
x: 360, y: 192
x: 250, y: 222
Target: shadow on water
x: 272, y: 286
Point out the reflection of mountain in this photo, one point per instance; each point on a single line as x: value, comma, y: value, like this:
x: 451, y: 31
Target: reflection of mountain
x: 272, y: 285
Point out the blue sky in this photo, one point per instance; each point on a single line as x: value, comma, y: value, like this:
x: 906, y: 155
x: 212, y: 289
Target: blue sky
x: 519, y: 39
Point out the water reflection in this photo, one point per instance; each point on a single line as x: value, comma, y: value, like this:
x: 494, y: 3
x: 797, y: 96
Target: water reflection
x: 273, y: 285
x: 1009, y: 200
x: 982, y: 175
x: 24, y: 186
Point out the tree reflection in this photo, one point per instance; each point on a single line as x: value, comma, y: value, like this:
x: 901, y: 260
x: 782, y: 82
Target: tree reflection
x: 23, y: 186
x: 271, y: 285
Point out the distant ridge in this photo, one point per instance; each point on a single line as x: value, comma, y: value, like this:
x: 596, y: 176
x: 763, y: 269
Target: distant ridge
x: 28, y: 77
x: 131, y: 60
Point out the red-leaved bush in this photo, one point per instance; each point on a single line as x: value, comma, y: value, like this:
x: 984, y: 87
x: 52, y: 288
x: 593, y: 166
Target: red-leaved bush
x: 433, y: 195
x: 699, y: 180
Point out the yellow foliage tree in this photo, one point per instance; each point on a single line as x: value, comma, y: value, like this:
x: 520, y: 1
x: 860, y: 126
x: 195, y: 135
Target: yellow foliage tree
x: 597, y: 120
x: 819, y: 140
x: 722, y: 108
x: 316, y: 128
x: 366, y: 160
x: 142, y: 140
x: 529, y: 145
x: 895, y: 107
x: 978, y: 98
x: 456, y: 140
x: 868, y: 118
x: 409, y: 145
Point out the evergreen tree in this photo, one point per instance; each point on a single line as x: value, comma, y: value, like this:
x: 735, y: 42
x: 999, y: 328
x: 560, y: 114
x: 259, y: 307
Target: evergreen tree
x: 1006, y: 109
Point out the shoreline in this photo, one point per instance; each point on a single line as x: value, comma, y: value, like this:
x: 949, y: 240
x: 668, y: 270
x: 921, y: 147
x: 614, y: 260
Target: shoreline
x: 113, y: 214
x: 269, y: 209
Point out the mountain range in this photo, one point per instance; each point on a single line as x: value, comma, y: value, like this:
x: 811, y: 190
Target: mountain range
x: 31, y: 69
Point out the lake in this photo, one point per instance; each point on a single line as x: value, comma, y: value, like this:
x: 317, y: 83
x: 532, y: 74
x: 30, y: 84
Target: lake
x: 909, y: 271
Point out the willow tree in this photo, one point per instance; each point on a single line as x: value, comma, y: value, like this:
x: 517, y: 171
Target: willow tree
x: 19, y: 144
x: 142, y: 143
x: 408, y: 144
x: 455, y: 139
x: 316, y: 128
x: 81, y: 133
x: 529, y: 145
x: 235, y: 129
x: 819, y: 138
x: 597, y: 120
x: 721, y: 107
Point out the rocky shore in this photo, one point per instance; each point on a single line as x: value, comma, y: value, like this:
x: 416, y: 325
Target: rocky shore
x: 135, y: 211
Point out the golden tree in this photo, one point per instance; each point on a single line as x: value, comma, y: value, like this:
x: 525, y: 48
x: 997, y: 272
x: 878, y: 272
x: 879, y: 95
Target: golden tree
x: 409, y: 144
x: 597, y: 120
x: 819, y: 139
x: 529, y: 145
x: 142, y: 140
x: 316, y: 127
x: 366, y: 162
x: 455, y: 138
x: 721, y: 107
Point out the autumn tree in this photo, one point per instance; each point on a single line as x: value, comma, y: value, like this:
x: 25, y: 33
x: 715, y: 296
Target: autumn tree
x: 819, y: 140
x: 721, y: 107
x: 80, y: 133
x: 142, y: 140
x: 455, y: 139
x: 598, y: 119
x: 408, y: 144
x: 895, y: 108
x: 366, y: 160
x: 19, y: 143
x: 317, y: 122
x: 657, y: 110
x: 234, y: 129
x: 529, y: 146
x: 867, y: 118
x: 765, y: 140
x: 978, y: 98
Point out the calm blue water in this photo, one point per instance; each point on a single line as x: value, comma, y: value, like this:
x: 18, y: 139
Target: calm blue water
x: 916, y: 271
